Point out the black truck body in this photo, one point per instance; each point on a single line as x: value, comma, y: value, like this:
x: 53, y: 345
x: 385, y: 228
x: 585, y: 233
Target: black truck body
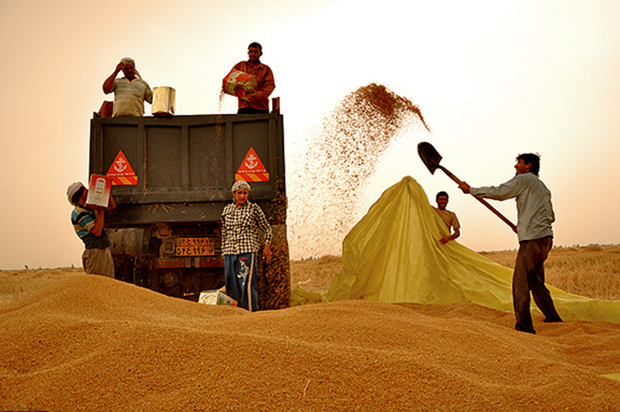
x: 173, y: 176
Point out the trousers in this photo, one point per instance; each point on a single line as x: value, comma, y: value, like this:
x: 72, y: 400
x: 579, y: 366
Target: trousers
x: 241, y: 272
x: 529, y: 275
x: 98, y: 262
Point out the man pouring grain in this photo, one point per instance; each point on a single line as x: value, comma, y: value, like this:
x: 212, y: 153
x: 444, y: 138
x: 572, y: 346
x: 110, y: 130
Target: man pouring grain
x: 130, y: 91
x: 258, y: 100
x: 88, y: 221
x: 535, y: 217
x: 241, y: 223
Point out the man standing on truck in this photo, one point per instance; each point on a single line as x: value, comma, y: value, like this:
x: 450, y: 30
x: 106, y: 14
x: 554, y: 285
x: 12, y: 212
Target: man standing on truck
x: 535, y: 216
x: 241, y: 222
x: 448, y: 217
x: 130, y: 91
x: 88, y: 224
x: 258, y: 101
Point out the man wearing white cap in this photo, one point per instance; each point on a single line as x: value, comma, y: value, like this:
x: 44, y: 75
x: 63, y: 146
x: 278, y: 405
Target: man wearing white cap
x: 130, y: 91
x: 88, y: 225
x: 241, y: 222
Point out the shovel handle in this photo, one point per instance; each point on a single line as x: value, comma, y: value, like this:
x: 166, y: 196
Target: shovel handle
x: 481, y: 200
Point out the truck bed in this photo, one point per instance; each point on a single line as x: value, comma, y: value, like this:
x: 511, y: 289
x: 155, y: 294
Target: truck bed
x: 186, y: 165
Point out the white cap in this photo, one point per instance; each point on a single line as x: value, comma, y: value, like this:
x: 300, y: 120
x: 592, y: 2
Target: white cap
x: 72, y: 190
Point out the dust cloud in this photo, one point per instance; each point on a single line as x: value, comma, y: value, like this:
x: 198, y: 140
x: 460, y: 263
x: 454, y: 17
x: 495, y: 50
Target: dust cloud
x: 335, y: 163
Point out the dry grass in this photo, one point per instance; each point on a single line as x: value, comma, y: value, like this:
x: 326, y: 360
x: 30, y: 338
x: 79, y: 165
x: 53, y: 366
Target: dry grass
x: 15, y: 284
x: 592, y: 271
x: 315, y: 275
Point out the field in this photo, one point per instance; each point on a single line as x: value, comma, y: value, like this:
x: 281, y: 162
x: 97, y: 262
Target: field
x: 592, y: 271
x: 72, y: 342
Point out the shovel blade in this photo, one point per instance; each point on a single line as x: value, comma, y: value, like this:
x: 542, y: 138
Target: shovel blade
x: 430, y: 157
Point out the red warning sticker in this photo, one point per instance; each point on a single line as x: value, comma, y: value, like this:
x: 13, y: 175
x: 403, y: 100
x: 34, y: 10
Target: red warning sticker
x: 121, y: 171
x: 252, y: 169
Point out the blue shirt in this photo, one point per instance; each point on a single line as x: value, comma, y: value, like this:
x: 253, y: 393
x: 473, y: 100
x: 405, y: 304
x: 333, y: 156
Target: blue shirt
x: 534, y: 208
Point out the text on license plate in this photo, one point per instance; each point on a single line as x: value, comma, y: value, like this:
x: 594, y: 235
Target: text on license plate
x: 195, y: 246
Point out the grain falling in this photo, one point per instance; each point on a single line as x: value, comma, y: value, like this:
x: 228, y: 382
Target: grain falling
x: 336, y: 162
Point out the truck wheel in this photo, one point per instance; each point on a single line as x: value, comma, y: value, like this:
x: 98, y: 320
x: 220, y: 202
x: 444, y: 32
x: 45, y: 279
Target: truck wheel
x: 123, y: 268
x: 211, y: 280
x: 145, y: 274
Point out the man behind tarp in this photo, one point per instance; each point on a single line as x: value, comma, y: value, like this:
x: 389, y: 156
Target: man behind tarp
x: 130, y: 91
x: 448, y: 217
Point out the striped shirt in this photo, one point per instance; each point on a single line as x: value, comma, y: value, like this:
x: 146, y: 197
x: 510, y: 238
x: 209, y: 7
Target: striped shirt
x: 83, y: 220
x: 129, y: 97
x: 240, y: 228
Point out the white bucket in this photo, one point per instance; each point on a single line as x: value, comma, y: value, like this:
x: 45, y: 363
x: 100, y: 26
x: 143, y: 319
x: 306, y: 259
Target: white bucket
x: 163, y: 101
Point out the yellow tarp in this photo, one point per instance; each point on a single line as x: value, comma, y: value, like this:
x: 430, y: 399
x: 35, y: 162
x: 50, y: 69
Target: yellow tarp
x: 394, y: 255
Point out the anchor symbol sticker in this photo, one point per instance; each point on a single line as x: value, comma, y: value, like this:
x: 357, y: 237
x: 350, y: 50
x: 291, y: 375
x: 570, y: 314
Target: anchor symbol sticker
x: 251, y: 161
x: 252, y: 168
x: 120, y: 165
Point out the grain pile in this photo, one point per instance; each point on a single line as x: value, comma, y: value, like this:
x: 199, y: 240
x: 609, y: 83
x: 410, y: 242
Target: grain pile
x: 333, y: 167
x: 93, y: 343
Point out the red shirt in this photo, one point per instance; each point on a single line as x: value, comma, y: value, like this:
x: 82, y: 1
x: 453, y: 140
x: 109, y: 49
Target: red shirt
x: 264, y: 78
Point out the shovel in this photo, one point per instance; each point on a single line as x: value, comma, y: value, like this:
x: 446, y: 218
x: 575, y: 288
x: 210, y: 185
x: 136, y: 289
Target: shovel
x: 431, y: 159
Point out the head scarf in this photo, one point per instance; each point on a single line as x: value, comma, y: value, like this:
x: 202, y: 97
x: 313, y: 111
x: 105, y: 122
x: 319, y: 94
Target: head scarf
x: 239, y: 185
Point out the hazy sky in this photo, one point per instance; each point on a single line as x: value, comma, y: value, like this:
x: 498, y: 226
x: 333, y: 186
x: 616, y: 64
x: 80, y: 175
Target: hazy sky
x: 493, y: 79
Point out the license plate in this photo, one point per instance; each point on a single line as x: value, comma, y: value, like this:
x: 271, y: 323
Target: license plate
x: 195, y: 246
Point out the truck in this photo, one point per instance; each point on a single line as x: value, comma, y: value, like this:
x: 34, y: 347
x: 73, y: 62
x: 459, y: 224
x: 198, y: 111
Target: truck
x: 172, y: 177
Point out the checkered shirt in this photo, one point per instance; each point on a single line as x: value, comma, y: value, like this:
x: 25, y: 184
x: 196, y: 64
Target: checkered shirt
x: 240, y: 228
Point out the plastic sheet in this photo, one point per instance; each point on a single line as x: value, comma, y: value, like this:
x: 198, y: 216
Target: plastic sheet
x: 394, y: 255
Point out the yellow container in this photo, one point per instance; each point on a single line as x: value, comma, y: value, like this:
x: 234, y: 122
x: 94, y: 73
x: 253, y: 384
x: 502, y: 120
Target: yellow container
x: 163, y: 101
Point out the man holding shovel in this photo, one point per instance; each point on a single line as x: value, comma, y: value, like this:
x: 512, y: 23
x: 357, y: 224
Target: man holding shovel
x: 535, y: 217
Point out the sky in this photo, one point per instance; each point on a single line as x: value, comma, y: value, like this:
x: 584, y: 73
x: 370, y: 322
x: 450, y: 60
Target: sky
x: 492, y: 78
